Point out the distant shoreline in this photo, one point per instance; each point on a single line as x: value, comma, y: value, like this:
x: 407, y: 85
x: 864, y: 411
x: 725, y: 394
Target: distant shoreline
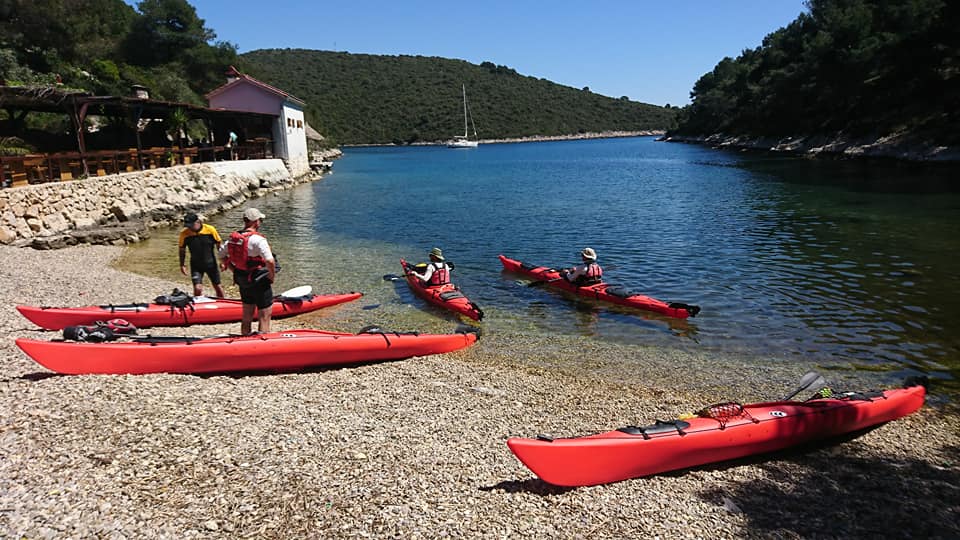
x: 899, y: 147
x: 534, y: 138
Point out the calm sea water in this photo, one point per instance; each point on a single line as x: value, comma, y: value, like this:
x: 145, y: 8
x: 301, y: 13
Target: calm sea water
x: 851, y: 265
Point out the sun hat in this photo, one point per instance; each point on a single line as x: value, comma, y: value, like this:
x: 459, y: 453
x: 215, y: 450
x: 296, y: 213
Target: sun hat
x: 252, y: 214
x: 436, y: 252
x: 190, y: 219
x: 589, y: 253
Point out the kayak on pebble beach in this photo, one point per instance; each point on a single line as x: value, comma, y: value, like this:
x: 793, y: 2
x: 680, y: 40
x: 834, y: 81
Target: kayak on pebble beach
x: 716, y: 433
x: 288, y: 350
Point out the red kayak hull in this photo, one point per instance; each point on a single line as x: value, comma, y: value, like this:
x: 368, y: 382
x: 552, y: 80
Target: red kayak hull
x: 148, y: 315
x: 435, y: 295
x: 280, y: 351
x: 599, y: 291
x: 615, y: 455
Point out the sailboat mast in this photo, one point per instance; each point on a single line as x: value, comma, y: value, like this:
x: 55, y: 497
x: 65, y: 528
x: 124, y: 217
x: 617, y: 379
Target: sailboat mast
x: 465, y: 132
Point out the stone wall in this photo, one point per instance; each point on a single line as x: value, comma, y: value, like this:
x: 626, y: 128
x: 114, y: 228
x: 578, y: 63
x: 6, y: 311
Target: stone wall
x: 42, y: 214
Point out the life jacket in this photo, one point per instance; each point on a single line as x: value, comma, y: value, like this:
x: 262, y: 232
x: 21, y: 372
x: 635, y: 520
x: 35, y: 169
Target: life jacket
x: 238, y: 253
x: 594, y: 273
x: 440, y: 276
x: 593, y: 276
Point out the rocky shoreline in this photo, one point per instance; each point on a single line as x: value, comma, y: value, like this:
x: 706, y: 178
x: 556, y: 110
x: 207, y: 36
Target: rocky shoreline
x: 897, y: 146
x: 122, y: 208
x: 411, y: 449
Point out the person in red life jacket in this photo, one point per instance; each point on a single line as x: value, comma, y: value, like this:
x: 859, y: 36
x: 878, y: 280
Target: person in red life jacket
x: 437, y: 272
x: 204, y: 242
x: 254, y: 269
x: 588, y: 273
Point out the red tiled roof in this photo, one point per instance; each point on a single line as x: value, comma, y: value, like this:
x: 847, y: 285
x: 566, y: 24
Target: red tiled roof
x: 240, y: 77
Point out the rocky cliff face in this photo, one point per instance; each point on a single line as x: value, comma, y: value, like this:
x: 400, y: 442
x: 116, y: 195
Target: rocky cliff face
x: 65, y: 213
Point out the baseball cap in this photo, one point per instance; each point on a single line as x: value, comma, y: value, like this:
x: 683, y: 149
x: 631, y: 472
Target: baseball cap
x: 190, y: 219
x: 252, y: 214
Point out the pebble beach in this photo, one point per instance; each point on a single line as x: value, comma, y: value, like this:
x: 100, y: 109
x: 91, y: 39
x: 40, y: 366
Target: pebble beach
x: 414, y: 448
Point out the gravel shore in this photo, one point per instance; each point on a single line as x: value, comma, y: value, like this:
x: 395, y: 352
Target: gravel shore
x: 411, y: 449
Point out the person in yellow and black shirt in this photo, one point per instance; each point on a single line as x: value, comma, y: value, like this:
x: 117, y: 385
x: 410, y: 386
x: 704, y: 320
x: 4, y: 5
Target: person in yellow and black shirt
x: 203, y: 240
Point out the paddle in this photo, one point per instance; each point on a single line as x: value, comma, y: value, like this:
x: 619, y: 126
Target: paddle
x: 724, y: 411
x: 391, y: 277
x: 541, y: 283
x: 296, y: 292
x: 808, y: 381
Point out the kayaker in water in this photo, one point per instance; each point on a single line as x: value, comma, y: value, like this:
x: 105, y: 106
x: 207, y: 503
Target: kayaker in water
x: 437, y: 272
x: 248, y: 253
x: 203, y: 241
x: 588, y: 273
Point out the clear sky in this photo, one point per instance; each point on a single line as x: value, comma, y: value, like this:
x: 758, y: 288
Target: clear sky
x: 649, y: 50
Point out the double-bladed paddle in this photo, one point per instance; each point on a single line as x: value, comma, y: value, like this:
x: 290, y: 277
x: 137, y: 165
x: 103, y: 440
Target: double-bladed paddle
x: 808, y: 381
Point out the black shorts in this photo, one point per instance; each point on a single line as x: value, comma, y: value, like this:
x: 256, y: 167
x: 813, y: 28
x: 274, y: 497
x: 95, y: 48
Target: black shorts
x: 259, y: 293
x: 196, y: 274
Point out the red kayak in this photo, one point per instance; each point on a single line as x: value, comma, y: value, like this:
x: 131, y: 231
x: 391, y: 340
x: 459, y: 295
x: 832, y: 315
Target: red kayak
x: 281, y: 351
x: 446, y: 296
x: 721, y: 432
x: 600, y: 291
x: 214, y: 311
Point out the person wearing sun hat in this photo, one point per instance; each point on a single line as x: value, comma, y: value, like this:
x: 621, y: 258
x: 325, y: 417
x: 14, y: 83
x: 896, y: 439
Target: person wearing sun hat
x: 437, y: 272
x: 203, y: 241
x: 587, y: 273
x: 248, y: 253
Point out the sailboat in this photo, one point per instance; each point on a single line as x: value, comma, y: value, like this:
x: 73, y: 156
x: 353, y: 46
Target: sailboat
x: 463, y: 141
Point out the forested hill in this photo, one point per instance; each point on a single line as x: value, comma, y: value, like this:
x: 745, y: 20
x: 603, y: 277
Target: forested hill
x: 858, y: 67
x: 361, y: 98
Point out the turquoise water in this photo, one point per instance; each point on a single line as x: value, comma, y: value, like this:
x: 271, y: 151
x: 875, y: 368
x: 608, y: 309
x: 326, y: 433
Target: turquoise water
x: 850, y: 265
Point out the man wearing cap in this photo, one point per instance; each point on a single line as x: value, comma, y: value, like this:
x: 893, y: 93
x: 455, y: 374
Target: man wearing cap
x: 588, y: 273
x: 437, y: 272
x: 254, y: 269
x: 203, y: 241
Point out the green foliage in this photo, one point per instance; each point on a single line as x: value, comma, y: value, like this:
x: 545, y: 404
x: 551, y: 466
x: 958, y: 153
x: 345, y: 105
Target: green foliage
x: 359, y: 98
x: 858, y: 66
x: 13, y: 146
x: 104, y: 46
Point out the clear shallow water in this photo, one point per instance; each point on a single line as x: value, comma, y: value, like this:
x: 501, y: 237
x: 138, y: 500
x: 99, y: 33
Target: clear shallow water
x: 852, y: 266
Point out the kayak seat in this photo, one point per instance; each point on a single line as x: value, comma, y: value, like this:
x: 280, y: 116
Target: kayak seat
x: 619, y: 291
x: 662, y: 426
x: 450, y: 295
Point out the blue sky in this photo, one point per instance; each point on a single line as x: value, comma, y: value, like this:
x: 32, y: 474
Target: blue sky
x: 650, y: 51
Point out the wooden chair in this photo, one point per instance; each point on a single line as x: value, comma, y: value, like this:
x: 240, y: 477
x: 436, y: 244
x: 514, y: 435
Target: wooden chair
x: 17, y: 172
x: 36, y: 168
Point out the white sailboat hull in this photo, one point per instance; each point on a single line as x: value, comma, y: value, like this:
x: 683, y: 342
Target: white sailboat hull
x: 462, y: 144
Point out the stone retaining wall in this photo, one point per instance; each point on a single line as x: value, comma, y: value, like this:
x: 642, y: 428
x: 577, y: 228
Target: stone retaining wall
x: 40, y: 213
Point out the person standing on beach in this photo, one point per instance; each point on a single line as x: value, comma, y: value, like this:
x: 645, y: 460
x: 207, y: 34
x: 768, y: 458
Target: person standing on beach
x: 204, y: 242
x: 437, y: 272
x: 248, y: 253
x: 587, y: 273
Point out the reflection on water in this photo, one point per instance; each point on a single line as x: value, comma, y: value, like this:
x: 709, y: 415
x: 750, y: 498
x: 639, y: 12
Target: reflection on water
x: 837, y: 262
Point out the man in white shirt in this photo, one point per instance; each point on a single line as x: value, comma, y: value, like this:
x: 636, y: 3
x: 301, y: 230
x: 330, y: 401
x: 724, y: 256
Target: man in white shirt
x: 248, y: 253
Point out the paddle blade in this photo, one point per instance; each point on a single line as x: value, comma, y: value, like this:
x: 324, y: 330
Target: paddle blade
x: 297, y: 292
x: 811, y: 380
x: 391, y: 277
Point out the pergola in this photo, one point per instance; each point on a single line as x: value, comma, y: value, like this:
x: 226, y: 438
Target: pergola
x: 78, y: 105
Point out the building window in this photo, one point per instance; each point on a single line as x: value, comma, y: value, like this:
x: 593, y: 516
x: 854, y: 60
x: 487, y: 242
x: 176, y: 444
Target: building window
x: 300, y: 124
x: 289, y: 122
